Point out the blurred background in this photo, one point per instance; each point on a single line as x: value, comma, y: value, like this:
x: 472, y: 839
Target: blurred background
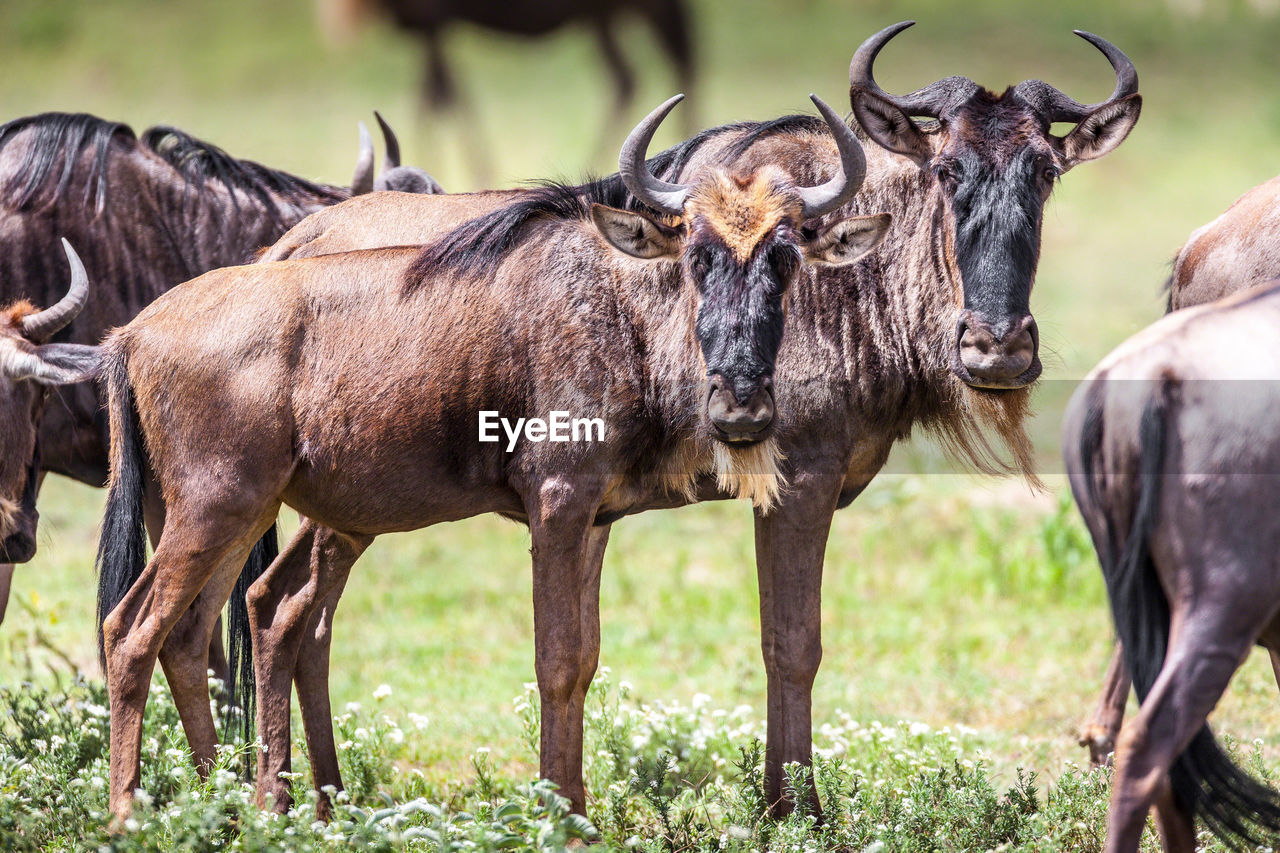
x: 949, y: 598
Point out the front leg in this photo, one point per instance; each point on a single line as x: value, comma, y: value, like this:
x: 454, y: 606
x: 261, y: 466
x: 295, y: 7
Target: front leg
x: 566, y: 551
x: 790, y: 542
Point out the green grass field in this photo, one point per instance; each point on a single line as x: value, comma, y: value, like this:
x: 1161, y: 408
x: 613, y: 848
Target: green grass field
x: 950, y: 600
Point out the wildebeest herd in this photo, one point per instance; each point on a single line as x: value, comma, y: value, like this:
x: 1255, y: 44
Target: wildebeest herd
x: 759, y: 312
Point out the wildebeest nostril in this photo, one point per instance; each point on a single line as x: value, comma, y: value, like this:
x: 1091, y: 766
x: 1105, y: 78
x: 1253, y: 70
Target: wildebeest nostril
x: 990, y: 357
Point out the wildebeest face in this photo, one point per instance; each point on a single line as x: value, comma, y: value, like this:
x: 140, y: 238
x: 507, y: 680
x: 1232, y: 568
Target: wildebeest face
x: 993, y: 161
x: 28, y: 368
x: 740, y: 247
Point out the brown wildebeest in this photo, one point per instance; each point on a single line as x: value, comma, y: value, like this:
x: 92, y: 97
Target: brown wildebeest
x: 29, y: 367
x: 1237, y: 250
x: 148, y: 213
x: 1174, y: 460
x: 922, y: 335
x: 675, y: 355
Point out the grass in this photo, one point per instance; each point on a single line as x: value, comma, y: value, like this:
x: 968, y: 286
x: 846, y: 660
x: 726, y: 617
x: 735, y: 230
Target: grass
x: 949, y: 600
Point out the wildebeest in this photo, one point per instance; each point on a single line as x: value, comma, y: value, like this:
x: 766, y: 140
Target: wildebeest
x: 1174, y: 460
x: 29, y: 367
x: 669, y: 20
x: 349, y: 387
x: 1239, y: 249
x: 933, y: 331
x: 147, y: 213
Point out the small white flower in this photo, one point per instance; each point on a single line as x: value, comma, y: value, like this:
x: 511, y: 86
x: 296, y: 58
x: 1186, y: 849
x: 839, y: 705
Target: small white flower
x: 383, y: 691
x: 353, y: 707
x: 419, y: 722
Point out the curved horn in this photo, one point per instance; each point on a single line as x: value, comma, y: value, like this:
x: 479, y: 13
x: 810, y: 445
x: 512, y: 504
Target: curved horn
x: 820, y: 200
x: 933, y: 100
x: 392, y: 158
x: 362, y: 180
x: 43, y: 325
x: 660, y: 195
x: 1056, y: 106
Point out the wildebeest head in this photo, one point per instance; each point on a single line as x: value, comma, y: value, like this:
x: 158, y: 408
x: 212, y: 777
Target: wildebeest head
x: 994, y: 161
x: 28, y: 368
x: 394, y: 177
x: 741, y: 241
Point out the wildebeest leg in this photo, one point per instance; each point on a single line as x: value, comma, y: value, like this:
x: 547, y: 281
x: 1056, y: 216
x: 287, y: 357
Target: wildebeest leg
x: 282, y: 604
x: 439, y: 92
x: 199, y: 546
x: 153, y: 512
x: 673, y: 29
x: 1177, y: 828
x: 565, y: 647
x: 790, y: 542
x: 624, y: 82
x: 1098, y: 733
x: 1206, y: 647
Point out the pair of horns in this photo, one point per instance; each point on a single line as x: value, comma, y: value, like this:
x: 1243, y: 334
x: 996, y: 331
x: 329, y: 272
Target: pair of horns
x: 938, y: 100
x: 43, y: 325
x: 362, y: 181
x: 670, y: 198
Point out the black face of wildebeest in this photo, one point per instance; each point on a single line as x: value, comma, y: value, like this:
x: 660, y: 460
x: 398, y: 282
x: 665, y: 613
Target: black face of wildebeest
x: 994, y: 162
x: 741, y: 244
x: 28, y: 368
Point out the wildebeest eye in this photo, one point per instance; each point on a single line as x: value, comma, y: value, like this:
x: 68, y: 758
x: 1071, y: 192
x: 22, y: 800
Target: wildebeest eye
x: 947, y: 172
x: 783, y: 261
x: 1051, y: 173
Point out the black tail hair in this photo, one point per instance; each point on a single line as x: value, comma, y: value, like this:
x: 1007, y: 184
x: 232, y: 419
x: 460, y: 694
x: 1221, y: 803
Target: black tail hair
x: 122, y: 549
x: 242, y: 688
x: 1235, y: 806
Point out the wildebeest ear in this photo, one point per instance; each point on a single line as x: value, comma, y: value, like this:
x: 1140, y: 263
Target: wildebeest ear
x: 52, y: 364
x: 848, y: 240
x: 636, y: 234
x: 1101, y: 131
x: 889, y: 126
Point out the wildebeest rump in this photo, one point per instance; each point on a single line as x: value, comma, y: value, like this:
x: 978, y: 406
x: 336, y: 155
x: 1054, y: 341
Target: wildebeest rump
x: 874, y: 350
x: 1173, y: 454
x: 1238, y: 250
x: 676, y: 354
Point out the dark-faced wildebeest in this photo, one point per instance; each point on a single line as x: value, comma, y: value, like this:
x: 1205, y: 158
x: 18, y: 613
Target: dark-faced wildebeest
x: 29, y: 367
x: 934, y: 331
x: 1239, y: 249
x: 147, y: 213
x: 349, y: 387
x: 1173, y: 453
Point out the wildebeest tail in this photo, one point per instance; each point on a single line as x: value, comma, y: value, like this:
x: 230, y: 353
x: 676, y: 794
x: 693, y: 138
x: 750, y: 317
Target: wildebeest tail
x: 122, y: 549
x: 239, y: 645
x: 1235, y: 806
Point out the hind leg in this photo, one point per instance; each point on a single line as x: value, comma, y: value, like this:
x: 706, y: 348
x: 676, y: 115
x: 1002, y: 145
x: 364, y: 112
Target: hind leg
x: 1206, y: 646
x: 1098, y: 733
x: 311, y: 675
x: 282, y: 604
x: 194, y: 550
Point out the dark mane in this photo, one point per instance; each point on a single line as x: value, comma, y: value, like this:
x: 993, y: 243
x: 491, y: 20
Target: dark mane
x: 481, y: 243
x: 57, y: 141
x: 59, y: 138
x: 199, y: 162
